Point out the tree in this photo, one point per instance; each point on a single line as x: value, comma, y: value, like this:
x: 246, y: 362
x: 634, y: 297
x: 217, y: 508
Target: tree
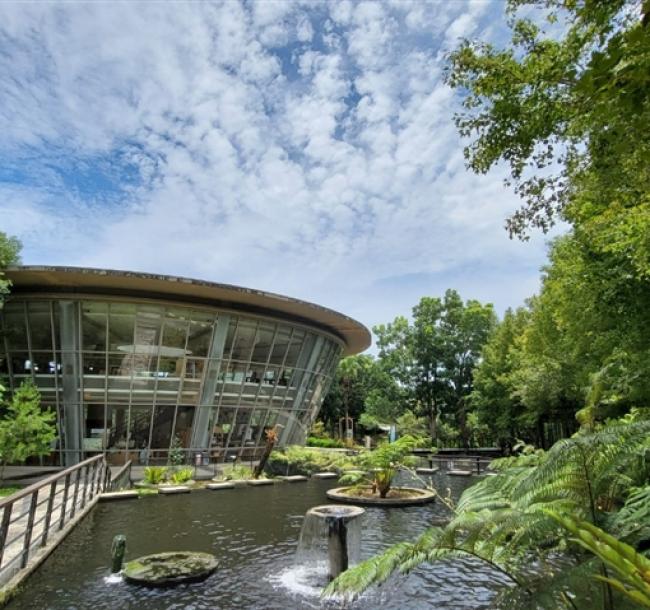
x: 433, y: 358
x: 568, y: 112
x: 25, y: 429
x: 9, y: 255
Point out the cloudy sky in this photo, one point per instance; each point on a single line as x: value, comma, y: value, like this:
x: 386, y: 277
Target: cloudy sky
x: 303, y: 148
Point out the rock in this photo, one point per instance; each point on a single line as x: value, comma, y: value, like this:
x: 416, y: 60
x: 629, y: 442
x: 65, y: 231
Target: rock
x: 118, y: 495
x: 168, y: 569
x: 426, y: 470
x: 325, y: 475
x: 174, y: 489
x: 295, y: 478
x: 460, y: 473
x: 257, y: 482
x: 216, y: 486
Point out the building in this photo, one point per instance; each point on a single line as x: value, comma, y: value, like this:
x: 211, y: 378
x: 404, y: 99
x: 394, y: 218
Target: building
x: 138, y: 365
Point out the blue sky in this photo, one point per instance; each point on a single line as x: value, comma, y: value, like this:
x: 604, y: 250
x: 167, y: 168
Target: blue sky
x: 298, y: 147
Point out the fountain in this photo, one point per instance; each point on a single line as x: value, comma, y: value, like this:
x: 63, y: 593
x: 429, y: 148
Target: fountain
x: 331, y: 536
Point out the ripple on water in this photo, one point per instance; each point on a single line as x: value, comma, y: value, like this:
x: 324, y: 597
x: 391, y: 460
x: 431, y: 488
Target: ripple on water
x: 254, y: 534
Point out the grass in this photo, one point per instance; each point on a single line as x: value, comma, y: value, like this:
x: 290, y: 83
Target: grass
x: 8, y: 490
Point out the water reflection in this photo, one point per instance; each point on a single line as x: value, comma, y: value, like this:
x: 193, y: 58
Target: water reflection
x: 254, y: 534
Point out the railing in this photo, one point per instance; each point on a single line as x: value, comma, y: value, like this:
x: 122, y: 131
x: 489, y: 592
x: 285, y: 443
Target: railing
x: 121, y: 479
x: 31, y: 516
x: 460, y: 462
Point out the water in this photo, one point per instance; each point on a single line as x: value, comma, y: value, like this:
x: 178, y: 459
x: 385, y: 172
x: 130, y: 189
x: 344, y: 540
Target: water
x: 254, y: 533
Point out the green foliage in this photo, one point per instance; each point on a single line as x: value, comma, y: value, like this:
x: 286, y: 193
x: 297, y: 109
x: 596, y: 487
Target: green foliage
x: 504, y: 519
x: 433, y: 358
x: 301, y: 460
x: 632, y: 567
x: 382, y: 464
x: 409, y: 424
x: 182, y: 475
x: 176, y: 455
x: 330, y: 443
x: 154, y: 475
x: 237, y: 472
x: 577, y: 102
x: 25, y: 429
x: 9, y: 255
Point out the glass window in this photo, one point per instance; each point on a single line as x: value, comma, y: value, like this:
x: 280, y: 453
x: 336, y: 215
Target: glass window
x: 200, y: 335
x: 94, y: 431
x: 163, y: 421
x: 183, y: 429
x: 170, y: 367
x: 294, y: 348
x: 280, y: 345
x: 40, y: 326
x: 263, y: 340
x: 21, y: 364
x: 43, y: 363
x: 244, y: 340
x: 93, y: 326
x: 140, y: 424
x: 175, y: 334
x: 117, y: 426
x: 227, y: 347
x: 15, y: 328
x: 147, y: 330
x: 94, y: 364
x: 121, y: 322
x: 222, y: 426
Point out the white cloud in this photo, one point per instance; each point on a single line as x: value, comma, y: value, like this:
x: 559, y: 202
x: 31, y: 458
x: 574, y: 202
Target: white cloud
x: 327, y: 169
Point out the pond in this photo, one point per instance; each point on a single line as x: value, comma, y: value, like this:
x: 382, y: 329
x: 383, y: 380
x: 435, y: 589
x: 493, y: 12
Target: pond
x: 254, y: 533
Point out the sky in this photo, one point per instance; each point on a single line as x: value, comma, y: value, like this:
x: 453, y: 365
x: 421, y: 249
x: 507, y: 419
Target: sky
x: 302, y: 148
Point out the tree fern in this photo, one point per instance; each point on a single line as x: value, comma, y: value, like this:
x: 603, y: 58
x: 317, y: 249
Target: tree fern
x: 504, y: 520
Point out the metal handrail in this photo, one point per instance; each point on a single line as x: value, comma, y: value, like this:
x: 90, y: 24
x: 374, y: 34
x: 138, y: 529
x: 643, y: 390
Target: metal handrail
x: 81, y: 484
x: 19, y: 495
x: 116, y: 480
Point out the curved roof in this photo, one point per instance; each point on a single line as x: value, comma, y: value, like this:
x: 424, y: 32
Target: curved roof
x: 81, y: 280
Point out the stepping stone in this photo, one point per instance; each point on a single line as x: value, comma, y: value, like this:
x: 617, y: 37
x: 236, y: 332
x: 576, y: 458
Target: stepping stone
x: 220, y: 486
x: 257, y: 482
x: 237, y: 482
x: 118, y: 495
x: 490, y: 474
x: 325, y: 475
x: 174, y: 489
x: 460, y: 473
x: 294, y: 478
x: 426, y: 470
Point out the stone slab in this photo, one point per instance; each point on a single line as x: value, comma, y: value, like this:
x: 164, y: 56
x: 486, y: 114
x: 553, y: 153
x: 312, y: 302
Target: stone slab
x: 220, y: 486
x: 175, y: 489
x: 460, y: 473
x: 257, y: 482
x: 294, y: 478
x: 426, y: 470
x: 118, y: 495
x: 325, y: 475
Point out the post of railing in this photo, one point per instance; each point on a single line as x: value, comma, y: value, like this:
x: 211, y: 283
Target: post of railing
x: 64, y: 506
x: 478, y: 465
x: 75, y: 495
x: 4, y: 529
x: 29, y: 528
x: 107, y: 479
x: 85, y: 485
x: 48, y: 513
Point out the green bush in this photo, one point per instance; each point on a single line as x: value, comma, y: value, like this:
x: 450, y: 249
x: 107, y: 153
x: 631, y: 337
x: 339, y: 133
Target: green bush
x: 155, y: 474
x: 236, y: 471
x: 182, y: 475
x: 305, y: 461
x: 328, y: 443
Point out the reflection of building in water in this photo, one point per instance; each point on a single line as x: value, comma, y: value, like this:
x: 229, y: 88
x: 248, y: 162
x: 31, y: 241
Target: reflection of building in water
x: 140, y: 365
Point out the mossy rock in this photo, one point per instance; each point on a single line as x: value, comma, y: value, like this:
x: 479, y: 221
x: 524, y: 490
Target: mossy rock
x: 169, y: 569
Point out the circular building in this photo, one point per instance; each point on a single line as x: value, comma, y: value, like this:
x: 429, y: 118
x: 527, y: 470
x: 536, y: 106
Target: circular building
x: 152, y: 368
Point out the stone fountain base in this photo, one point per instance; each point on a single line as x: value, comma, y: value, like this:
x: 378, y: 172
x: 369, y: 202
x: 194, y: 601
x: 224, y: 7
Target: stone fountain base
x: 397, y: 496
x: 169, y: 569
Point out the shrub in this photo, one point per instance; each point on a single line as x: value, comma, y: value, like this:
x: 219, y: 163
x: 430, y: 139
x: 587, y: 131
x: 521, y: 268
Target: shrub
x: 305, y: 461
x: 182, y: 475
x: 328, y: 443
x: 237, y: 472
x: 155, y: 474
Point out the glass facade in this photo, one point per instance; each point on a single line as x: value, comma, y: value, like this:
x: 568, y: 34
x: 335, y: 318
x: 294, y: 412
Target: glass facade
x: 135, y: 380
